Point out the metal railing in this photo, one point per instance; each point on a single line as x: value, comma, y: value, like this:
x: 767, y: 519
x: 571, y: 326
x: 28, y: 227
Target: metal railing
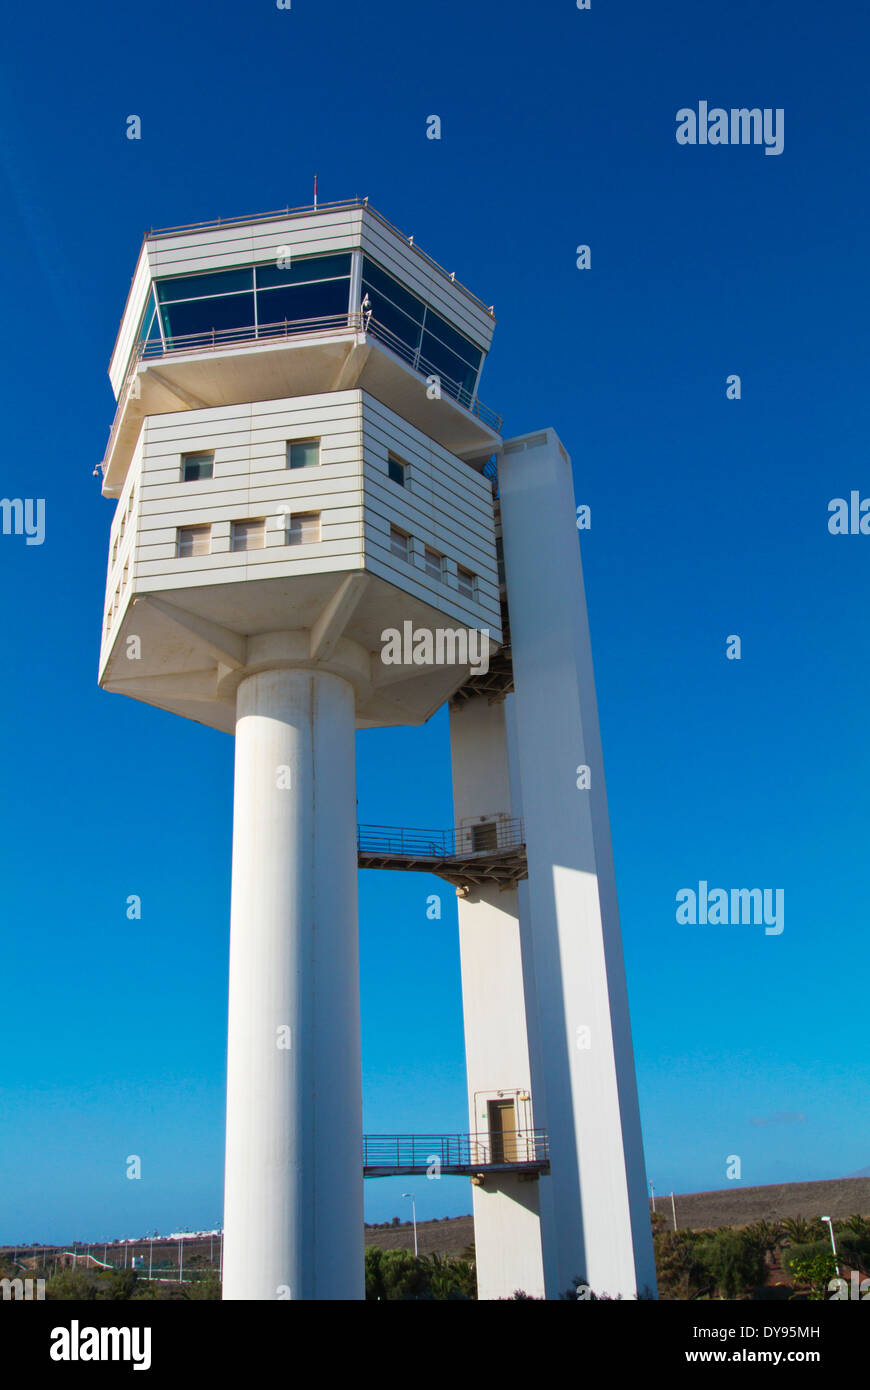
x: 487, y: 837
x: 355, y: 321
x: 420, y: 364
x: 408, y: 1151
x: 306, y: 210
x: 215, y: 338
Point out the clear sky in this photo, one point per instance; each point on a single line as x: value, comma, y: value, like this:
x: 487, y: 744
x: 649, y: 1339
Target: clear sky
x: 709, y: 518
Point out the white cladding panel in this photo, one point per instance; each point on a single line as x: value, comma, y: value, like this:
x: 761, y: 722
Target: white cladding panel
x: 601, y: 1225
x: 251, y: 482
x: 122, y: 550
x: 313, y: 234
x: 445, y: 505
x: 507, y: 1232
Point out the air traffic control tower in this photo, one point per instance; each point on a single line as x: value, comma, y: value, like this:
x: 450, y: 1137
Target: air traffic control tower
x: 301, y: 463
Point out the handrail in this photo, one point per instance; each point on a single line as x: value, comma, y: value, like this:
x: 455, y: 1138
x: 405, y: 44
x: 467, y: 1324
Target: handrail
x: 440, y: 844
x: 342, y: 205
x: 481, y: 1150
x: 354, y: 321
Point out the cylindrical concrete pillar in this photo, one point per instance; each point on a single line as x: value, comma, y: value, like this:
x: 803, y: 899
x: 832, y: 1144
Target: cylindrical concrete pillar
x: 293, y: 1208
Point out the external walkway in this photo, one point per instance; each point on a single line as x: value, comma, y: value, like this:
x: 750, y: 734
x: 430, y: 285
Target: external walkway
x: 491, y: 851
x: 466, y: 1155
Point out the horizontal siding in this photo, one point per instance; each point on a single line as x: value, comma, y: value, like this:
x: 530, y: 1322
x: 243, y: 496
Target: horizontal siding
x: 139, y: 288
x: 396, y: 256
x: 447, y: 505
x: 218, y: 248
x: 251, y: 481
x: 450, y: 601
x: 222, y: 248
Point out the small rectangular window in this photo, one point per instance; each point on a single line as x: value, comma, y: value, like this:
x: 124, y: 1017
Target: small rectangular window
x: 396, y: 469
x: 434, y: 564
x: 304, y: 529
x: 466, y: 582
x: 248, y: 535
x: 193, y: 540
x: 400, y: 543
x: 196, y: 466
x: 303, y: 453
x: 484, y: 837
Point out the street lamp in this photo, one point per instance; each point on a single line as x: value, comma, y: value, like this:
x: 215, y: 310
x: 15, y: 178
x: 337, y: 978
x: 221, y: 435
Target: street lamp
x: 413, y: 1216
x: 833, y: 1243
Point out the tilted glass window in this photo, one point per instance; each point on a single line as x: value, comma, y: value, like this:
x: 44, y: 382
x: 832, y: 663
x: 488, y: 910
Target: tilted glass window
x: 457, y: 377
x: 149, y: 327
x: 203, y: 286
x: 396, y: 469
x: 251, y: 302
x: 321, y: 299
x: 196, y: 466
x: 226, y: 314
x: 303, y: 271
x: 303, y: 453
x: 415, y: 332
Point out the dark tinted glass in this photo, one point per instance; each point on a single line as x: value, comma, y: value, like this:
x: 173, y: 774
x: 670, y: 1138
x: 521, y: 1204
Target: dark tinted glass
x: 196, y: 466
x: 154, y: 330
x: 303, y: 453
x: 202, y: 315
x: 377, y: 279
x: 458, y: 374
x: 396, y: 472
x: 191, y: 286
x: 387, y: 316
x: 450, y: 338
x: 322, y: 299
x: 147, y: 319
x: 303, y: 271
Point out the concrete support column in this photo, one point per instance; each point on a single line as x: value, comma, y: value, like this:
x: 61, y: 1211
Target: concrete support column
x: 507, y: 1228
x: 293, y: 1210
x: 599, y: 1227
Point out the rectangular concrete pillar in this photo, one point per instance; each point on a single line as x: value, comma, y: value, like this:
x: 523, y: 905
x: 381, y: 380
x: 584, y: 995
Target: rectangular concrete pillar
x: 507, y: 1233
x: 599, y: 1228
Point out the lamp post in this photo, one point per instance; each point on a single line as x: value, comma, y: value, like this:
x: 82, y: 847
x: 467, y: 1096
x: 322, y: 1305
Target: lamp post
x: 833, y: 1243
x: 413, y: 1216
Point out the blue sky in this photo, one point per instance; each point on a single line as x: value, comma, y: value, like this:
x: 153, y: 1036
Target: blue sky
x: 709, y: 518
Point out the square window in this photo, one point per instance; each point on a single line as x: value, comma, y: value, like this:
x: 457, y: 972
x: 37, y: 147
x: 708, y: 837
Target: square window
x: 400, y: 543
x: 304, y: 529
x: 303, y: 453
x: 196, y: 466
x: 248, y: 535
x: 466, y: 582
x: 396, y: 470
x: 193, y: 540
x: 434, y: 564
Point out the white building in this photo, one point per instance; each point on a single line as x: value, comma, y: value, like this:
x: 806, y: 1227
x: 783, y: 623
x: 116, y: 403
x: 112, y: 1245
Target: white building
x: 301, y: 463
